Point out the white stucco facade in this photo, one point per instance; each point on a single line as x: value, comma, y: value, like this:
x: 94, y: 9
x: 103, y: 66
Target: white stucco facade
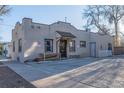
x: 32, y: 36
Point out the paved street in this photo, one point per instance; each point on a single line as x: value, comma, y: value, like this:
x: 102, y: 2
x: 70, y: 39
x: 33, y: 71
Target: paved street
x: 88, y: 72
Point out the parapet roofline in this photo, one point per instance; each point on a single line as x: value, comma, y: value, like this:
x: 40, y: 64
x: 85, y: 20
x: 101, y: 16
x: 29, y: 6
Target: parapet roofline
x: 53, y: 23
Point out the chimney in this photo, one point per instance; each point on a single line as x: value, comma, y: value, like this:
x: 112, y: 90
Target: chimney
x: 26, y: 20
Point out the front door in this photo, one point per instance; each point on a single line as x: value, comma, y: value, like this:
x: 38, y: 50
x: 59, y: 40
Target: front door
x: 63, y: 48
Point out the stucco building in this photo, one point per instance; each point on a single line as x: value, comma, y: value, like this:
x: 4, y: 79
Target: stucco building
x: 30, y: 39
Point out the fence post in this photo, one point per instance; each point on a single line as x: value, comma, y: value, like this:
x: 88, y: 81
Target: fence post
x: 60, y: 56
x: 44, y: 56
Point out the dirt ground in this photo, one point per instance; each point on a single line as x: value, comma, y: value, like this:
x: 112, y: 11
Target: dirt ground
x: 10, y: 79
x: 1, y: 63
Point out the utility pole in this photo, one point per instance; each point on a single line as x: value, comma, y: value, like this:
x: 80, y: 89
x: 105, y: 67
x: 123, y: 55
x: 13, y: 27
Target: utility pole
x: 65, y: 19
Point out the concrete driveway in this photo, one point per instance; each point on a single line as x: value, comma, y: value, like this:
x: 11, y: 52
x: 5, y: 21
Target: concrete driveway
x: 87, y: 72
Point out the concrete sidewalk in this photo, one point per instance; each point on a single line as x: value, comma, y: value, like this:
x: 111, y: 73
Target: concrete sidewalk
x: 103, y: 74
x: 90, y: 72
x: 33, y: 71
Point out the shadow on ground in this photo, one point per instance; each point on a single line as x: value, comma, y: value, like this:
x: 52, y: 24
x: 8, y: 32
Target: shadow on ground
x: 10, y: 79
x: 101, y: 74
x: 90, y: 72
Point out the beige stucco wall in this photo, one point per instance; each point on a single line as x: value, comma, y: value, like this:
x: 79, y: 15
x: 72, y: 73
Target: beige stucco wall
x: 17, y: 33
x: 80, y: 36
x: 33, y: 36
x: 101, y: 41
x: 33, y: 39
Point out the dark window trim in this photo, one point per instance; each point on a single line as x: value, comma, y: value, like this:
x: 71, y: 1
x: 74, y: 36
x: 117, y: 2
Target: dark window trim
x: 20, y: 45
x: 32, y: 26
x: 13, y: 46
x: 84, y: 45
x: 74, y: 47
x: 38, y: 27
x: 45, y: 44
x: 109, y: 46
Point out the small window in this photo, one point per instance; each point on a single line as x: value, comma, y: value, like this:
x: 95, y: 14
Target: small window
x: 109, y: 46
x: 82, y: 43
x: 58, y: 22
x: 5, y: 51
x: 13, y: 46
x: 72, y: 46
x: 101, y: 47
x: 20, y: 45
x: 32, y: 26
x: 49, y: 45
x: 38, y: 27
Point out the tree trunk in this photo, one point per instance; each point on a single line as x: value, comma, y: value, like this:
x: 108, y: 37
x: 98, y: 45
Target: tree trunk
x: 117, y: 39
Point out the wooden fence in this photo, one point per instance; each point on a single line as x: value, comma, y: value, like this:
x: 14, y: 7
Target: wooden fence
x: 118, y: 50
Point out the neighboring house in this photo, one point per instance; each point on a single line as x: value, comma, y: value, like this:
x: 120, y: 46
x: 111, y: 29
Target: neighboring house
x: 7, y: 49
x: 1, y: 48
x: 31, y: 39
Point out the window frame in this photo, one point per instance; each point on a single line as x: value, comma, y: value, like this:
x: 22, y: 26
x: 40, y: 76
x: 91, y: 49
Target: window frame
x: 32, y: 26
x: 109, y: 46
x: 20, y: 45
x: 81, y: 46
x: 51, y: 46
x: 73, y: 47
x: 13, y: 46
x: 38, y: 27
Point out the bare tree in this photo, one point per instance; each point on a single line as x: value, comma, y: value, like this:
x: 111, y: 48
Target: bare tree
x: 4, y: 9
x: 94, y: 16
x: 100, y: 16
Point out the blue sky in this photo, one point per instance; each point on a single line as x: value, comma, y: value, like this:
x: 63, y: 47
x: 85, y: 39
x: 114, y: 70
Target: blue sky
x: 42, y: 14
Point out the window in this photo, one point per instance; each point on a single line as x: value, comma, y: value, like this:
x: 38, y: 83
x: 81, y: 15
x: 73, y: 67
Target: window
x: 38, y: 27
x: 49, y: 45
x: 82, y: 43
x: 20, y: 45
x: 32, y: 26
x: 109, y: 46
x: 13, y: 46
x: 5, y: 51
x: 72, y: 46
x: 101, y: 47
